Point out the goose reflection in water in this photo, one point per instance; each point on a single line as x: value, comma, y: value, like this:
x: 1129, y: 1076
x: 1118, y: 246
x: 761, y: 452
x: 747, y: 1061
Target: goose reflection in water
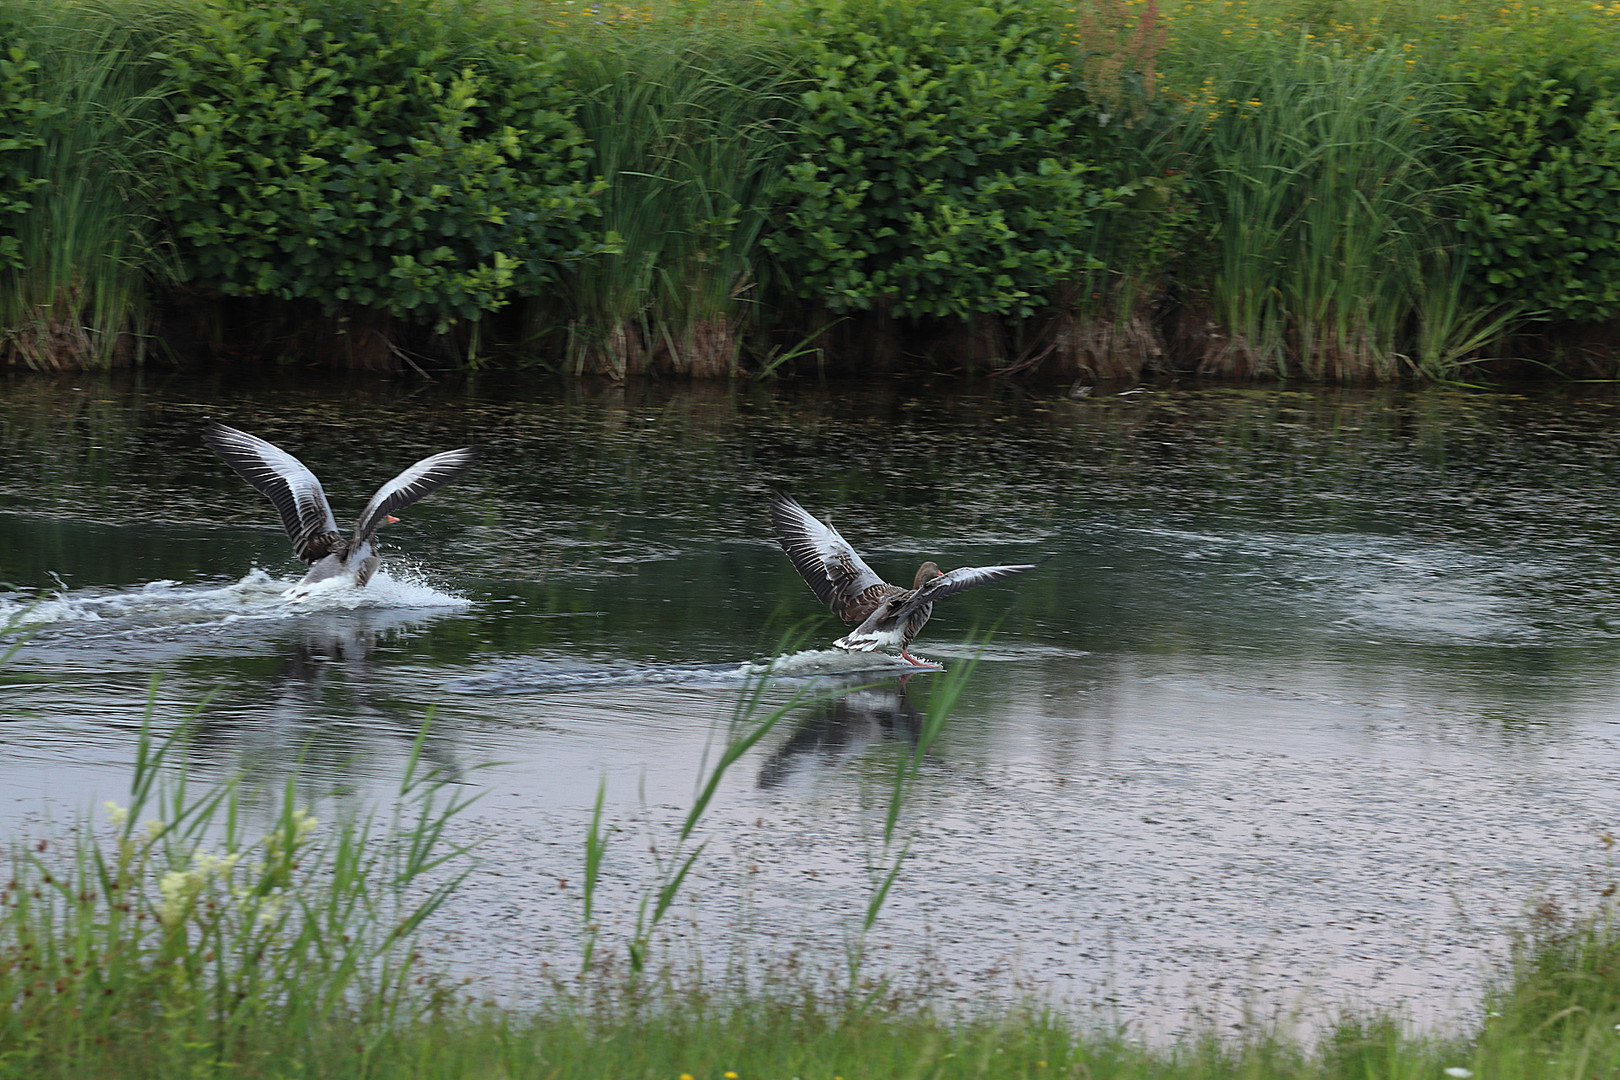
x: 844, y: 727
x: 326, y: 705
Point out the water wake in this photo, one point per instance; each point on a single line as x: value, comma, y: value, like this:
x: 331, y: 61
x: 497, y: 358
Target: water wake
x: 527, y: 675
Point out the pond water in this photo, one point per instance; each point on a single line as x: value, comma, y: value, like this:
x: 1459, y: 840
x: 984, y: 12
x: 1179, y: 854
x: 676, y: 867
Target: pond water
x: 1313, y: 695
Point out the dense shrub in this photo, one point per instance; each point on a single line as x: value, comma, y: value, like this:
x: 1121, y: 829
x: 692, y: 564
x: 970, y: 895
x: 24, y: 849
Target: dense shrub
x: 1543, y: 127
x: 23, y: 114
x: 935, y: 173
x: 1340, y: 190
x: 362, y: 156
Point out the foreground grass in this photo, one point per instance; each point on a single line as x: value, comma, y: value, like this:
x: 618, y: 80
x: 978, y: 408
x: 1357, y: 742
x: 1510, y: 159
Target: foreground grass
x: 739, y: 1040
x: 782, y: 1041
x: 310, y: 1003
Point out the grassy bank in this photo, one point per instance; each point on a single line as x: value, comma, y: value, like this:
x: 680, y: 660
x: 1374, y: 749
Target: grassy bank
x: 1345, y: 191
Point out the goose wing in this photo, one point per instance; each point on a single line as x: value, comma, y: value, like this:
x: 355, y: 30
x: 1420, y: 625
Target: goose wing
x: 409, y: 486
x: 286, y: 482
x: 964, y: 577
x: 835, y: 573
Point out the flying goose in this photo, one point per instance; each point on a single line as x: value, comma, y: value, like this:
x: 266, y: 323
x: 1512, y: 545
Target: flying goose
x: 297, y: 494
x: 884, y: 615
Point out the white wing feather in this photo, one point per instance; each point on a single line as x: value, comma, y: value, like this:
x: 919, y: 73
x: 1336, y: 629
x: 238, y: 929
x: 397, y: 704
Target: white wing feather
x: 409, y: 486
x: 281, y: 478
x: 963, y: 577
x: 826, y: 561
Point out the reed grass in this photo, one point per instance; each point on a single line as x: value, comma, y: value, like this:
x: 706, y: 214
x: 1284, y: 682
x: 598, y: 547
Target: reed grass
x: 687, y: 114
x: 1324, y: 173
x: 81, y: 296
x: 187, y: 930
x: 749, y: 724
x: 894, y: 846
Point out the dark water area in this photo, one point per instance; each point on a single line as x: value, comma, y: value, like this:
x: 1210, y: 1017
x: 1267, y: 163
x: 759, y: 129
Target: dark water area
x: 1314, y: 693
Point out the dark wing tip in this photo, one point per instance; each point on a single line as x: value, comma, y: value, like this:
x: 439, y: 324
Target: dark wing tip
x: 784, y: 510
x: 218, y: 427
x: 453, y: 462
x: 465, y: 458
x: 229, y: 442
x: 216, y: 433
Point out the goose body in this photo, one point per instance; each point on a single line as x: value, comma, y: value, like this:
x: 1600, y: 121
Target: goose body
x: 306, y: 515
x: 884, y: 616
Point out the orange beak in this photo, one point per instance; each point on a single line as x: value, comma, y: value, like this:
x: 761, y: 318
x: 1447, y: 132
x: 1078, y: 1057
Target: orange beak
x: 391, y: 520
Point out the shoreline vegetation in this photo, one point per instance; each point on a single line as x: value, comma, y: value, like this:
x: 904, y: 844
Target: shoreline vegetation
x: 212, y: 931
x: 1335, y: 190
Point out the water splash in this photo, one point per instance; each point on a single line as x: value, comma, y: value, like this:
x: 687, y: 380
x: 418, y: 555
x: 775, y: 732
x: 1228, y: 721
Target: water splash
x: 257, y: 595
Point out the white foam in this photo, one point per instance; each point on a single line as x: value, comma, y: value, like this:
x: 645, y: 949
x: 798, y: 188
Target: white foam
x: 255, y: 595
x: 382, y: 591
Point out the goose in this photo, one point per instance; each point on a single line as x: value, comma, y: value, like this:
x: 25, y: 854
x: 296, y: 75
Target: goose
x: 884, y: 615
x: 297, y: 494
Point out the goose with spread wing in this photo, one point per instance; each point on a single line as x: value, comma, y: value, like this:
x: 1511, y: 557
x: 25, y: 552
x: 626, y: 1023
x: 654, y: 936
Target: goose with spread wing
x: 298, y: 496
x: 884, y: 615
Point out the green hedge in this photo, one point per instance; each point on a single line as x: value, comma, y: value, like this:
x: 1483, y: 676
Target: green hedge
x: 356, y: 154
x: 1543, y: 126
x: 23, y: 114
x: 959, y: 161
x: 936, y: 174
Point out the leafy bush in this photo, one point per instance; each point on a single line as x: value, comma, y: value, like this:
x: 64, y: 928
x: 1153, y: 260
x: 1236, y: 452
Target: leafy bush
x: 22, y: 115
x: 935, y: 173
x: 1543, y: 127
x: 363, y: 156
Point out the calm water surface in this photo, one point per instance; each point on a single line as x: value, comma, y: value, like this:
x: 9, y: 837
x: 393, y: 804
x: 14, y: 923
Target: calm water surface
x: 1315, y: 693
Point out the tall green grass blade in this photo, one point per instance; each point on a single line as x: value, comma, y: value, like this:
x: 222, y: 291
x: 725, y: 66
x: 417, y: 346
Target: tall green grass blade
x: 88, y: 248
x: 685, y: 117
x: 1328, y: 183
x: 595, y: 849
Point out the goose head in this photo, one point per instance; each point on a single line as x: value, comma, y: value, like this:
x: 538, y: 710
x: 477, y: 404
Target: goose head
x: 928, y: 571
